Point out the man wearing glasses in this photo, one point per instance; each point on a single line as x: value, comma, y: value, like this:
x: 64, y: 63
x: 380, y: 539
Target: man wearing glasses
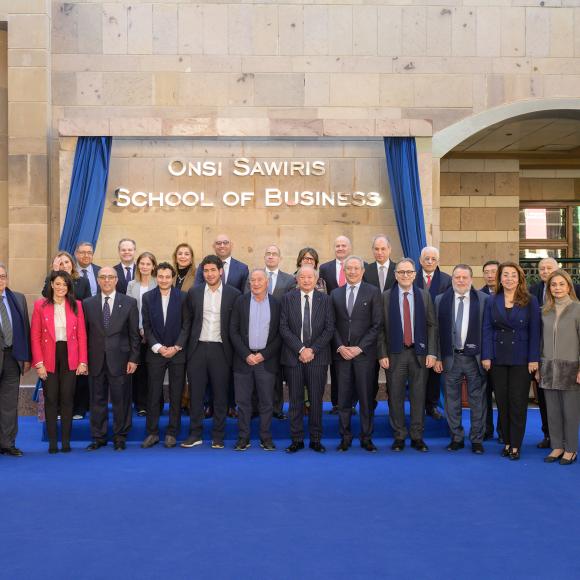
x: 114, y: 342
x: 235, y: 274
x: 407, y: 348
x: 84, y: 256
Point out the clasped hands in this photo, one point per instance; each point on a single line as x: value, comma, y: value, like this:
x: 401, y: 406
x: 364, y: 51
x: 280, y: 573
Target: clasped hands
x: 254, y: 359
x: 349, y: 352
x: 306, y: 356
x: 168, y: 351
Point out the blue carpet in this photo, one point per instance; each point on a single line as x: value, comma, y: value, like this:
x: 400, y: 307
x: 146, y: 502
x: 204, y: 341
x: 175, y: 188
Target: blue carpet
x: 196, y: 513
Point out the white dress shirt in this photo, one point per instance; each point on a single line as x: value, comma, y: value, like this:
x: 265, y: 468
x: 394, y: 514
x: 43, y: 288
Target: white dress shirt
x: 164, y: 305
x: 59, y: 322
x: 465, y: 320
x: 212, y: 306
x: 302, y: 303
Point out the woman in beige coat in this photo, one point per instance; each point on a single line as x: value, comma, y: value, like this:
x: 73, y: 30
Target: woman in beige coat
x: 560, y: 369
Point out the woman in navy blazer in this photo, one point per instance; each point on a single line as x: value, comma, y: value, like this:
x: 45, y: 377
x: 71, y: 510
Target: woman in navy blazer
x: 511, y: 349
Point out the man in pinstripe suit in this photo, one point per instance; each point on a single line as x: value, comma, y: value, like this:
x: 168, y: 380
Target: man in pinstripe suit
x: 306, y: 327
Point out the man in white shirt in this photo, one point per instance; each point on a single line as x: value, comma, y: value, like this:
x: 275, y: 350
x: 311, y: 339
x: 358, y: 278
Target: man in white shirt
x: 166, y: 338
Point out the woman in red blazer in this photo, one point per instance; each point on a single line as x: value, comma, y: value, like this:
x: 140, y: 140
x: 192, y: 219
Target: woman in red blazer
x: 59, y: 352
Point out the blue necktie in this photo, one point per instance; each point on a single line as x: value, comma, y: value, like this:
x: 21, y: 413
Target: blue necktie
x: 270, y: 282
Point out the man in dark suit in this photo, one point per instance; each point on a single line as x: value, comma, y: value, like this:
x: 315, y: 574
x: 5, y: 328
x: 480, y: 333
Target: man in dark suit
x: 460, y: 315
x: 254, y: 332
x: 84, y: 253
x: 333, y: 275
x: 545, y: 267
x: 14, y: 360
x: 126, y: 267
x: 407, y: 348
x: 489, y: 275
x: 162, y: 312
x: 235, y: 273
x: 429, y: 276
x: 278, y: 284
x: 307, y: 327
x: 381, y: 273
x: 114, y: 342
x: 358, y: 319
x: 209, y: 352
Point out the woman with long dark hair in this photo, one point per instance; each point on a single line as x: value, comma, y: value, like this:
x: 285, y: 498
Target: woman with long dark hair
x: 59, y: 353
x: 511, y: 351
x: 183, y: 262
x: 560, y: 370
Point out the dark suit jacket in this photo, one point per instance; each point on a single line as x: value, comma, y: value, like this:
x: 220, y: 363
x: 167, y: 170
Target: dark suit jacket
x: 193, y: 318
x: 384, y: 342
x: 117, y: 345
x: 238, y: 274
x: 22, y: 306
x: 371, y: 275
x: 485, y: 290
x: 121, y: 280
x: 439, y: 283
x: 153, y: 325
x: 514, y: 338
x: 321, y: 322
x: 328, y: 273
x: 95, y: 269
x: 362, y: 327
x: 240, y: 335
x: 448, y: 360
x: 537, y: 290
x: 81, y: 286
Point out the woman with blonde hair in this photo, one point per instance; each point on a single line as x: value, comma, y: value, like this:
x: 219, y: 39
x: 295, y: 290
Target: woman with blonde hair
x: 64, y: 262
x: 560, y: 368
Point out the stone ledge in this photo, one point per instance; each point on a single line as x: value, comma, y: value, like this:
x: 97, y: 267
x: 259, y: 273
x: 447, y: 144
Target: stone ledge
x: 243, y: 126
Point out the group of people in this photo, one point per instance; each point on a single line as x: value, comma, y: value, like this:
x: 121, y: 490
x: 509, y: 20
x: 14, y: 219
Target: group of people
x: 229, y: 337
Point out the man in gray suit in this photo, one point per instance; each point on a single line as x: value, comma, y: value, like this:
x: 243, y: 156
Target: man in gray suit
x: 14, y: 360
x: 278, y: 284
x: 407, y: 348
x: 460, y: 314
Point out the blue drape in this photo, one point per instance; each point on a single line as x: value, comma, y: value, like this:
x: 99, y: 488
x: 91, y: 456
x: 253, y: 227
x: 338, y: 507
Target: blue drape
x: 88, y: 187
x: 406, y: 193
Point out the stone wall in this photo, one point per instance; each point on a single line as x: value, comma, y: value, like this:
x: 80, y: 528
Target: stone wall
x: 545, y: 185
x: 3, y: 145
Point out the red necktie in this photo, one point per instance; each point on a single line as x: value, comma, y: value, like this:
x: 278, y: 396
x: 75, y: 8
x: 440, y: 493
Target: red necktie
x: 341, y: 276
x: 428, y: 280
x: 407, y: 332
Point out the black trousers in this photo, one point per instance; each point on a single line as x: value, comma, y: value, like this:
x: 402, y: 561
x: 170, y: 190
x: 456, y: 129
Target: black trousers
x: 81, y: 402
x: 120, y: 391
x: 432, y: 390
x: 333, y: 385
x: 9, y: 389
x: 157, y: 365
x: 140, y: 381
x: 263, y: 381
x: 489, y: 400
x: 314, y: 378
x: 512, y: 387
x: 207, y: 365
x: 278, y: 392
x: 543, y: 411
x: 355, y: 382
x: 59, y: 393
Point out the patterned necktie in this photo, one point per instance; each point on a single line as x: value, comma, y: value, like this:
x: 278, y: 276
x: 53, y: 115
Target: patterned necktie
x: 350, y: 303
x: 270, y: 282
x: 128, y: 276
x: 341, y: 276
x: 459, y: 324
x: 428, y: 280
x: 6, y: 326
x: 407, y: 332
x: 382, y: 278
x: 106, y: 312
x: 306, y: 330
x: 85, y: 273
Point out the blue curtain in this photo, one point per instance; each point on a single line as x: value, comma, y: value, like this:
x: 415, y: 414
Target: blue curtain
x: 86, y: 199
x: 406, y: 193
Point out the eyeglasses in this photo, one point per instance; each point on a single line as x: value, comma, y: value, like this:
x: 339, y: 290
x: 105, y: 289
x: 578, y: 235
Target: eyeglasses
x: 224, y: 243
x: 3, y: 277
x: 405, y: 272
x: 308, y: 259
x: 105, y: 277
x: 271, y: 254
x: 85, y: 253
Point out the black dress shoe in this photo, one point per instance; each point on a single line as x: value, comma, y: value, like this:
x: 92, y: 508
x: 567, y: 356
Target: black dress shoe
x: 280, y: 416
x: 343, y: 446
x: 242, y: 444
x: 544, y: 443
x: 505, y: 452
x: 317, y: 446
x: 569, y: 461
x: 96, y: 445
x: 514, y: 455
x: 477, y: 448
x: 268, y: 445
x: 53, y: 450
x: 553, y: 458
x: 12, y: 451
x: 455, y: 446
x: 295, y: 446
x: 488, y: 437
x: 398, y: 445
x: 368, y: 445
x: 434, y: 413
x: 119, y: 445
x: 419, y: 445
